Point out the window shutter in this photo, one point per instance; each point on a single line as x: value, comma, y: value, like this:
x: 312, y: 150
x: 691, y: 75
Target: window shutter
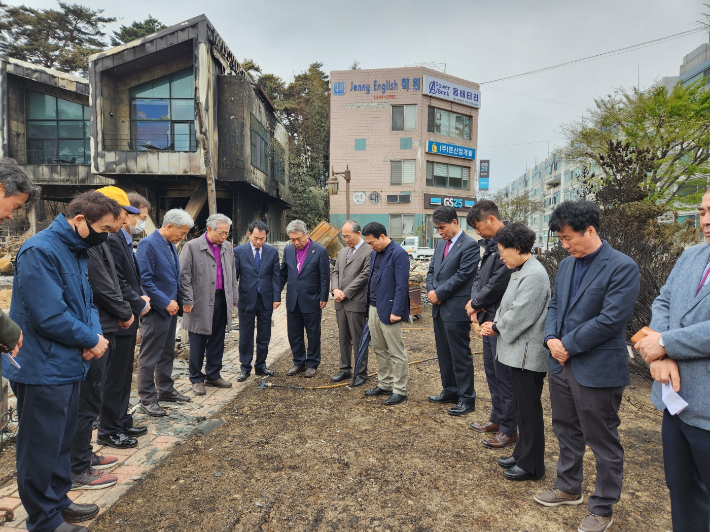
x: 465, y: 172
x: 407, y: 172
x: 429, y: 173
x: 395, y: 172
x: 410, y: 117
x: 441, y: 169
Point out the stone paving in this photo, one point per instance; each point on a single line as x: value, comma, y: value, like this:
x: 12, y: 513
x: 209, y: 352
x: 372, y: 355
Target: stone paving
x: 163, y: 433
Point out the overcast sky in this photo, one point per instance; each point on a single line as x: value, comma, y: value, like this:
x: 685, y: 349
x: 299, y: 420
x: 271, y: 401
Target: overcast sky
x: 479, y: 40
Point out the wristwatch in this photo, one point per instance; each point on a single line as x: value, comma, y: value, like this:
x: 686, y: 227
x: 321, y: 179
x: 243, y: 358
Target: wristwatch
x: 660, y: 341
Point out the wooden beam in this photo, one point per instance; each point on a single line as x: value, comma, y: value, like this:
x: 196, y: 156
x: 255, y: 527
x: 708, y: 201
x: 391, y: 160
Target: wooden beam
x: 211, y: 188
x: 197, y: 200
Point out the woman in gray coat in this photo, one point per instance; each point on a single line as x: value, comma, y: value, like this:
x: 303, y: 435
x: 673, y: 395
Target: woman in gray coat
x: 520, y: 326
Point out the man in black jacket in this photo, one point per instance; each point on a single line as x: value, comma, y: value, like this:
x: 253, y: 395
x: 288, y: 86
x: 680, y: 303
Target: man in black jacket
x: 114, y: 418
x: 114, y: 312
x: 487, y: 291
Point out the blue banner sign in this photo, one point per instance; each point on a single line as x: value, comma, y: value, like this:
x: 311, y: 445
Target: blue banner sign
x: 452, y: 150
x: 453, y: 92
x: 483, y: 183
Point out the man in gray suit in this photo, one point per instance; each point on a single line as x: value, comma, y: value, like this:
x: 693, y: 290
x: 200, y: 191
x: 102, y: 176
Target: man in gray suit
x: 585, y: 330
x: 348, y: 283
x: 448, y: 284
x: 679, y: 353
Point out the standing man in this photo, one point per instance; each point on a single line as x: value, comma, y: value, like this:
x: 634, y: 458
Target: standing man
x: 448, y: 284
x: 257, y: 267
x: 306, y: 269
x: 486, y: 293
x: 114, y: 313
x: 349, y: 286
x: 114, y: 418
x: 52, y: 302
x: 585, y: 330
x: 678, y: 353
x: 160, y: 278
x: 209, y: 291
x: 388, y: 303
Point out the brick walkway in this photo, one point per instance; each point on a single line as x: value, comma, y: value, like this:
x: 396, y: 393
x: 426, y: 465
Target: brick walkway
x: 163, y: 433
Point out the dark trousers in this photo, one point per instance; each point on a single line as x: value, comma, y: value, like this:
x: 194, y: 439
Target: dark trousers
x: 114, y: 417
x: 500, y: 384
x: 453, y: 351
x: 350, y: 326
x: 210, y: 346
x: 529, y: 451
x: 48, y: 417
x: 296, y: 322
x: 686, y: 458
x: 261, y: 313
x: 89, y: 408
x: 583, y: 415
x: 156, y: 357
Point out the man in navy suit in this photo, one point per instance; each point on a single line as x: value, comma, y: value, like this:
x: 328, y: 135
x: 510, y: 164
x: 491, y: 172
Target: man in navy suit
x: 679, y: 356
x: 388, y: 303
x: 306, y: 270
x: 448, y: 284
x: 257, y: 265
x: 585, y: 330
x: 160, y: 278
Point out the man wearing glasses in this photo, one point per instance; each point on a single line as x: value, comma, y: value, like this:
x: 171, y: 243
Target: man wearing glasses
x: 209, y: 291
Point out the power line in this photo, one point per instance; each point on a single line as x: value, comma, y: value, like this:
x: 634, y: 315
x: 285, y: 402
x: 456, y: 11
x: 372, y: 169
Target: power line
x: 599, y: 56
x: 536, y: 98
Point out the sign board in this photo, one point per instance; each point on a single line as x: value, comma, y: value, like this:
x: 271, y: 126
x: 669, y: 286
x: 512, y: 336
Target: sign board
x: 485, y: 168
x: 374, y: 198
x: 359, y: 198
x: 460, y: 203
x: 452, y: 150
x: 483, y: 183
x: 453, y: 92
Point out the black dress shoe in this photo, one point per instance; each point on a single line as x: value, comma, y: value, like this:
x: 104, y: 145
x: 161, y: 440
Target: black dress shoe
x: 80, y: 512
x: 395, y: 399
x: 517, y: 473
x: 135, y: 431
x: 461, y: 409
x: 265, y: 372
x: 118, y: 441
x: 359, y: 380
x: 377, y: 391
x: 506, y: 461
x: 443, y: 398
x: 343, y: 375
x: 173, y: 397
x: 244, y: 375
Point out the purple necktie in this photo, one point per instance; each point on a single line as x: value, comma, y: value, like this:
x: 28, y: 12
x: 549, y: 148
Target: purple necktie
x: 446, y: 249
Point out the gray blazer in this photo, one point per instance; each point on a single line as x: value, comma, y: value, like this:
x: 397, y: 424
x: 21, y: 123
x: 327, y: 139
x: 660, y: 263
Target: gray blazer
x: 520, y: 318
x: 198, y: 276
x: 451, y: 278
x: 351, y: 278
x: 684, y: 320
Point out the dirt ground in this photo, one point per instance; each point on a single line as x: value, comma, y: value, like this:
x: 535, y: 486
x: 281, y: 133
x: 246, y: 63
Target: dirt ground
x: 334, y: 460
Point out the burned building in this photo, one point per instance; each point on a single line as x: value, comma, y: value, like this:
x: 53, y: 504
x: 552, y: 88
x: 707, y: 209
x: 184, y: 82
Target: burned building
x: 172, y: 116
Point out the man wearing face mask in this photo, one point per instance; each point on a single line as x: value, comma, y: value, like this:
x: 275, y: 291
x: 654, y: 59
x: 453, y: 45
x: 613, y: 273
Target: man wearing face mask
x: 52, y: 302
x: 114, y: 314
x: 114, y: 418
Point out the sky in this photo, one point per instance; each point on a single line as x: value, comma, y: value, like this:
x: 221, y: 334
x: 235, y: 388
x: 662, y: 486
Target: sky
x: 478, y: 40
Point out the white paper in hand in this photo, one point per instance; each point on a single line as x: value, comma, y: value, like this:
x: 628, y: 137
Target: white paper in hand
x: 674, y: 402
x: 12, y: 360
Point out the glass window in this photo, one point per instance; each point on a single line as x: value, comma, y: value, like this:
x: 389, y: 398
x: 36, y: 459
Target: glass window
x: 449, y: 123
x: 447, y: 175
x: 401, y: 225
x: 259, y: 145
x: 404, y: 117
x: 401, y: 172
x: 410, y: 117
x: 163, y: 113
x: 56, y: 130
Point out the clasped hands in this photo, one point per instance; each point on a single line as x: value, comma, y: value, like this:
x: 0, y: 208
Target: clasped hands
x: 98, y: 350
x: 662, y: 368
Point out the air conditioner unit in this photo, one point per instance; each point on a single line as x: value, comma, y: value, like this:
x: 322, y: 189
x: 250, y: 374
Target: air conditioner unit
x: 393, y: 198
x: 405, y: 198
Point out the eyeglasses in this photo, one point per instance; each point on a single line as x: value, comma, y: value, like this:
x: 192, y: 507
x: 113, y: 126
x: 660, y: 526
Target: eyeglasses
x: 222, y: 233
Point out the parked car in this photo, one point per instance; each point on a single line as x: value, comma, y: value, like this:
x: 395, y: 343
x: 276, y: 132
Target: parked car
x: 414, y: 250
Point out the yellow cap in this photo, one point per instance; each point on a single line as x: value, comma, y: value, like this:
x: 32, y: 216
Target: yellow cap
x: 120, y: 197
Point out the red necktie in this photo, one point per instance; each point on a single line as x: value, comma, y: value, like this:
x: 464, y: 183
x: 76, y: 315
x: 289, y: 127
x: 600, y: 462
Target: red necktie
x: 446, y: 249
x: 702, y: 282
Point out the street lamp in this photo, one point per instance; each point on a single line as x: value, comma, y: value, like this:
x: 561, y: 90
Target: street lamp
x: 332, y: 185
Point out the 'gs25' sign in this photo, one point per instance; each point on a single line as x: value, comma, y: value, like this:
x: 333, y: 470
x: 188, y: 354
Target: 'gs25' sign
x: 457, y: 202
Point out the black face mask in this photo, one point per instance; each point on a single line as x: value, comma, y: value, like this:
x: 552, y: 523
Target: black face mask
x: 94, y: 238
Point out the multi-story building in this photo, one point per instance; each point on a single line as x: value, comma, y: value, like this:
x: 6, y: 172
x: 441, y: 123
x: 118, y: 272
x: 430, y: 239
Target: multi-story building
x: 409, y: 138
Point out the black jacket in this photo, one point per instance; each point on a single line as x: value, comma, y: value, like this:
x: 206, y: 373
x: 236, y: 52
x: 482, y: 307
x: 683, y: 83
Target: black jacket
x: 491, y: 281
x: 129, y: 278
x: 107, y: 291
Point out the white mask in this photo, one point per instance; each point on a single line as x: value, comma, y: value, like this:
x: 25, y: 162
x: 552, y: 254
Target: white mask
x: 138, y: 228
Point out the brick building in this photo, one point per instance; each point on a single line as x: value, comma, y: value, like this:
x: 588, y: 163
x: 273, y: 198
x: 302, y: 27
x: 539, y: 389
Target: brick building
x: 409, y: 137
